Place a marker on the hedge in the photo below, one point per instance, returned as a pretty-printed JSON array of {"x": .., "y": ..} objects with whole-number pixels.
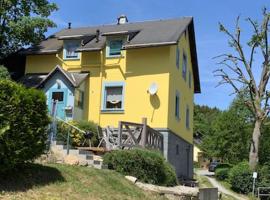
[
  {"x": 240, "y": 178},
  {"x": 148, "y": 166},
  {"x": 23, "y": 124},
  {"x": 222, "y": 173}
]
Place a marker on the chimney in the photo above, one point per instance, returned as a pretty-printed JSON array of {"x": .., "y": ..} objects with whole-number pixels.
[
  {"x": 97, "y": 35},
  {"x": 122, "y": 19},
  {"x": 69, "y": 25}
]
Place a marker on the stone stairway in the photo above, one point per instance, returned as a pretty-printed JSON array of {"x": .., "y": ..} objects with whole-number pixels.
[{"x": 79, "y": 157}]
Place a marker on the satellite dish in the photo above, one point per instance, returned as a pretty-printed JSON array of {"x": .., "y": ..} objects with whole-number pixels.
[{"x": 153, "y": 89}]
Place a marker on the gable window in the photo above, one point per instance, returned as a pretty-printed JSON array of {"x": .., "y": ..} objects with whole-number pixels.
[
  {"x": 189, "y": 79},
  {"x": 113, "y": 96},
  {"x": 70, "y": 48},
  {"x": 114, "y": 47},
  {"x": 184, "y": 69},
  {"x": 187, "y": 117},
  {"x": 79, "y": 98},
  {"x": 177, "y": 106},
  {"x": 177, "y": 57}
]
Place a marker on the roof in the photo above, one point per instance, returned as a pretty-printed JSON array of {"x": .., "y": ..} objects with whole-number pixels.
[
  {"x": 38, "y": 80},
  {"x": 140, "y": 34}
]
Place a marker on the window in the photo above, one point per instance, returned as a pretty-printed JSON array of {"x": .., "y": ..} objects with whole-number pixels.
[
  {"x": 184, "y": 69},
  {"x": 189, "y": 79},
  {"x": 114, "y": 47},
  {"x": 70, "y": 48},
  {"x": 187, "y": 117},
  {"x": 177, "y": 105},
  {"x": 79, "y": 98},
  {"x": 177, "y": 149},
  {"x": 177, "y": 57},
  {"x": 59, "y": 96},
  {"x": 113, "y": 96}
]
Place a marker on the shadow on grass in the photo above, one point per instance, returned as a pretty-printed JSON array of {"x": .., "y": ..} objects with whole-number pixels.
[{"x": 29, "y": 176}]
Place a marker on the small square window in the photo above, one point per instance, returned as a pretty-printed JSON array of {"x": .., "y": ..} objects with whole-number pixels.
[
  {"x": 115, "y": 47},
  {"x": 59, "y": 96},
  {"x": 113, "y": 97},
  {"x": 70, "y": 48},
  {"x": 184, "y": 69}
]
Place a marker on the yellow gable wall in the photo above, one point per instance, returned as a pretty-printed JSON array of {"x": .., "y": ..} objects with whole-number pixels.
[
  {"x": 138, "y": 73},
  {"x": 177, "y": 83}
]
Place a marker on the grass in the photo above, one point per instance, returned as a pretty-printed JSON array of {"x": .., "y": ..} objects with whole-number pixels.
[{"x": 56, "y": 181}]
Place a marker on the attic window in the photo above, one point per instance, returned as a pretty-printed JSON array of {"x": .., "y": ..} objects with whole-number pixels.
[
  {"x": 114, "y": 47},
  {"x": 70, "y": 47}
]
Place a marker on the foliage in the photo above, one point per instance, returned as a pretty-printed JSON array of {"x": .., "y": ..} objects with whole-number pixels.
[
  {"x": 23, "y": 124},
  {"x": 223, "y": 165},
  {"x": 222, "y": 173},
  {"x": 77, "y": 137},
  {"x": 56, "y": 181},
  {"x": 23, "y": 22},
  {"x": 240, "y": 178},
  {"x": 4, "y": 74},
  {"x": 148, "y": 166},
  {"x": 264, "y": 176}
]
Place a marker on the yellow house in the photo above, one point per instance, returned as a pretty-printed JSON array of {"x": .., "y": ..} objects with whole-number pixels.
[{"x": 124, "y": 71}]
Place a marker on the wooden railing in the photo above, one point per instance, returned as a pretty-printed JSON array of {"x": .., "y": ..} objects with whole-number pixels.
[{"x": 138, "y": 135}]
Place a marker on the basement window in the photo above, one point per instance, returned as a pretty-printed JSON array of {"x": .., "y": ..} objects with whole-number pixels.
[
  {"x": 113, "y": 97},
  {"x": 70, "y": 48}
]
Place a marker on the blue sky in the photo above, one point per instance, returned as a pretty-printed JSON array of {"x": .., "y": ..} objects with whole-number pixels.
[{"x": 207, "y": 14}]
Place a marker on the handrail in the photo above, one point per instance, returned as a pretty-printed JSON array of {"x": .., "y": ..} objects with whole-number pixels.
[{"x": 59, "y": 119}]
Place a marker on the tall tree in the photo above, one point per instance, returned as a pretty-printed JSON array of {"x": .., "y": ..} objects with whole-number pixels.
[
  {"x": 237, "y": 69},
  {"x": 23, "y": 22}
]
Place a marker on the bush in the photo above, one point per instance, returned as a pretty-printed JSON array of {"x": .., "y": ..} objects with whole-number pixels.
[
  {"x": 264, "y": 176},
  {"x": 23, "y": 124},
  {"x": 223, "y": 165},
  {"x": 240, "y": 178},
  {"x": 77, "y": 138},
  {"x": 148, "y": 166},
  {"x": 222, "y": 173},
  {"x": 4, "y": 74}
]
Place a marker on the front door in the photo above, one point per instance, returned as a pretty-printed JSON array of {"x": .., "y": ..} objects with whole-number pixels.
[{"x": 58, "y": 102}]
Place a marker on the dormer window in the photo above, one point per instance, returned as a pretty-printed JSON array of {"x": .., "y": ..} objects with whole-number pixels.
[
  {"x": 114, "y": 47},
  {"x": 70, "y": 47}
]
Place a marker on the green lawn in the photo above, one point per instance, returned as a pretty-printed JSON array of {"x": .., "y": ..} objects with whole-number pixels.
[{"x": 57, "y": 181}]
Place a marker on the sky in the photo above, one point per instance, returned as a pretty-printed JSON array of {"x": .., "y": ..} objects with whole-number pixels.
[{"x": 207, "y": 14}]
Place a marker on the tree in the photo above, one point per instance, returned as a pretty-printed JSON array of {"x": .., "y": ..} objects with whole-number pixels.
[
  {"x": 23, "y": 22},
  {"x": 4, "y": 74},
  {"x": 238, "y": 69},
  {"x": 229, "y": 135}
]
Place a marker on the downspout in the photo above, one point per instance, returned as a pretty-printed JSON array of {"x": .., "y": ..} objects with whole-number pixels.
[{"x": 101, "y": 77}]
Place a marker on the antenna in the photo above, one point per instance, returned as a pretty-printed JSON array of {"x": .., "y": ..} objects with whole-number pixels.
[{"x": 153, "y": 89}]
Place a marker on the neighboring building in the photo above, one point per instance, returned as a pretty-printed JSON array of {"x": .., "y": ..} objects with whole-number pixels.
[{"x": 104, "y": 73}]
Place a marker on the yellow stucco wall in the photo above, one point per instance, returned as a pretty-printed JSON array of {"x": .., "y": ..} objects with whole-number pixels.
[
  {"x": 196, "y": 152},
  {"x": 138, "y": 68}
]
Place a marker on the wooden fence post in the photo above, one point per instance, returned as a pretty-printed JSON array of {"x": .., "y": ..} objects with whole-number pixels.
[
  {"x": 144, "y": 131},
  {"x": 119, "y": 134}
]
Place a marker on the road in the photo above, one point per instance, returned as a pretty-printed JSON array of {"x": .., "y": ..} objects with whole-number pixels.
[{"x": 215, "y": 183}]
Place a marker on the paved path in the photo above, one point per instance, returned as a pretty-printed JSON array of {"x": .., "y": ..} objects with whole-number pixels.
[{"x": 215, "y": 183}]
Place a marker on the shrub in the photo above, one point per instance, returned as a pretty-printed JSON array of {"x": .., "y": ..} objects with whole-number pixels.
[
  {"x": 240, "y": 178},
  {"x": 222, "y": 173},
  {"x": 264, "y": 176},
  {"x": 148, "y": 166},
  {"x": 223, "y": 165},
  {"x": 23, "y": 124},
  {"x": 76, "y": 136},
  {"x": 4, "y": 74}
]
